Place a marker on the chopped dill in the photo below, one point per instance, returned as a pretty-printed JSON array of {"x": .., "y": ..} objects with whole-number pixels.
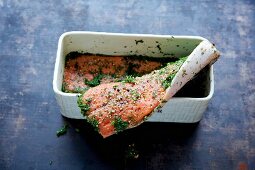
[
  {"x": 135, "y": 95},
  {"x": 94, "y": 122},
  {"x": 95, "y": 82},
  {"x": 167, "y": 82},
  {"x": 129, "y": 79},
  {"x": 64, "y": 87},
  {"x": 159, "y": 108},
  {"x": 62, "y": 131},
  {"x": 83, "y": 106},
  {"x": 119, "y": 124},
  {"x": 80, "y": 90}
]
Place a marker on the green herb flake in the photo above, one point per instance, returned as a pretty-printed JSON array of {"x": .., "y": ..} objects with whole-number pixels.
[
  {"x": 138, "y": 41},
  {"x": 180, "y": 61},
  {"x": 164, "y": 101},
  {"x": 83, "y": 106},
  {"x": 184, "y": 73},
  {"x": 135, "y": 95},
  {"x": 119, "y": 124},
  {"x": 80, "y": 89},
  {"x": 64, "y": 87},
  {"x": 167, "y": 82},
  {"x": 95, "y": 82},
  {"x": 162, "y": 71},
  {"x": 88, "y": 100},
  {"x": 145, "y": 118},
  {"x": 159, "y": 48},
  {"x": 159, "y": 108},
  {"x": 62, "y": 131},
  {"x": 94, "y": 122},
  {"x": 129, "y": 79},
  {"x": 115, "y": 87}
]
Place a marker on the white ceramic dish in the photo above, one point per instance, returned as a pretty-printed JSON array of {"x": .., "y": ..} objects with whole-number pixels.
[{"x": 177, "y": 109}]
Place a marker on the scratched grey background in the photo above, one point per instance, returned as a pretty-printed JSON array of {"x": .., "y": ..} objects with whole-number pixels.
[{"x": 29, "y": 115}]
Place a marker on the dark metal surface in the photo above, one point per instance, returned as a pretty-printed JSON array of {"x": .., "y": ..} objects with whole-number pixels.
[{"x": 30, "y": 117}]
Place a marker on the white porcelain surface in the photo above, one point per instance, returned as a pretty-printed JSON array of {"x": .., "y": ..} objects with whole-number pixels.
[{"x": 177, "y": 109}]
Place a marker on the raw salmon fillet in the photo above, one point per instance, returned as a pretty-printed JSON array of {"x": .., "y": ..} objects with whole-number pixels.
[
  {"x": 114, "y": 107},
  {"x": 91, "y": 67}
]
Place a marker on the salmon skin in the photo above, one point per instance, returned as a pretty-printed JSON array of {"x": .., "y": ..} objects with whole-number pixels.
[{"x": 113, "y": 107}]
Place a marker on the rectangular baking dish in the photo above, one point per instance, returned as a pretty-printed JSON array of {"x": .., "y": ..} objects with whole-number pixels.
[{"x": 178, "y": 109}]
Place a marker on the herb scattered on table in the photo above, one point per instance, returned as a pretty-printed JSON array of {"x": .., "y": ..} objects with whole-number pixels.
[
  {"x": 132, "y": 152},
  {"x": 62, "y": 131}
]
